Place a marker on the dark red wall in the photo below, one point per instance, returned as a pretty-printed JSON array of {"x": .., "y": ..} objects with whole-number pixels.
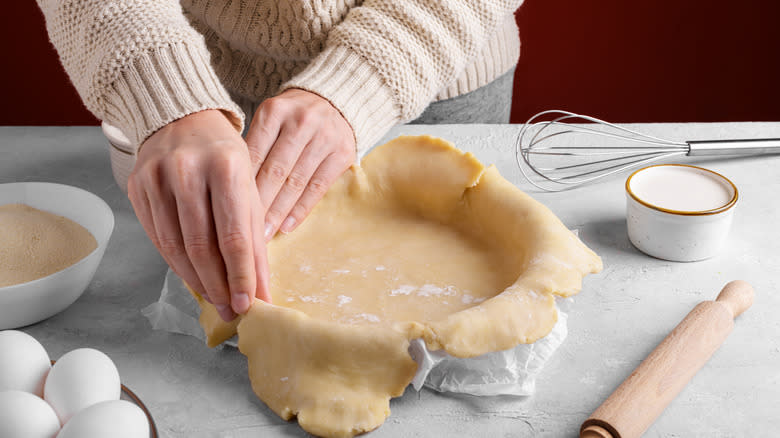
[
  {"x": 33, "y": 85},
  {"x": 650, "y": 61},
  {"x": 622, "y": 60}
]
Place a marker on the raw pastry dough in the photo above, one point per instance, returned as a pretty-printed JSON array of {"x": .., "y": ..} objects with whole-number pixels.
[{"x": 421, "y": 241}]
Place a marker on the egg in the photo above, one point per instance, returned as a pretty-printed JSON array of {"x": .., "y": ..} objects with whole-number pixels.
[
  {"x": 24, "y": 415},
  {"x": 115, "y": 419},
  {"x": 79, "y": 379},
  {"x": 24, "y": 362}
]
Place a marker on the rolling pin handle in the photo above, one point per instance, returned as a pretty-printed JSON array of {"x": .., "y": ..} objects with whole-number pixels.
[{"x": 737, "y": 295}]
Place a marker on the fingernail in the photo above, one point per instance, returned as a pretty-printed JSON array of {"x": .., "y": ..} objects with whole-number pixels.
[
  {"x": 269, "y": 231},
  {"x": 288, "y": 224},
  {"x": 240, "y": 303},
  {"x": 225, "y": 312}
]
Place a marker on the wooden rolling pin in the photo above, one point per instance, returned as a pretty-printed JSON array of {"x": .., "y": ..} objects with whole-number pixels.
[{"x": 641, "y": 398}]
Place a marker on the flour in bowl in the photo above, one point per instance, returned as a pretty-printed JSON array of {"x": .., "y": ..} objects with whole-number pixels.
[{"x": 36, "y": 243}]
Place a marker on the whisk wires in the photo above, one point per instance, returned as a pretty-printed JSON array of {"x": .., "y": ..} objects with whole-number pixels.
[{"x": 555, "y": 155}]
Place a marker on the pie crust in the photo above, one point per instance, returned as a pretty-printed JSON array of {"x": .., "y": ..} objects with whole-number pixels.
[{"x": 420, "y": 241}]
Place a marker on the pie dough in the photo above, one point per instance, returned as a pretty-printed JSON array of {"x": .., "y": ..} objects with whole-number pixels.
[{"x": 420, "y": 241}]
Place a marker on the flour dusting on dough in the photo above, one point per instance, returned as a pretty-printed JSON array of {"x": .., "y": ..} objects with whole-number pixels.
[
  {"x": 470, "y": 299},
  {"x": 341, "y": 271},
  {"x": 305, "y": 269},
  {"x": 343, "y": 299},
  {"x": 431, "y": 290},
  {"x": 426, "y": 290},
  {"x": 310, "y": 299},
  {"x": 370, "y": 317},
  {"x": 380, "y": 268},
  {"x": 402, "y": 290}
]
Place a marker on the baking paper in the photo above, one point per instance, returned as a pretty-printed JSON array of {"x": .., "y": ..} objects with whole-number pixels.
[{"x": 508, "y": 372}]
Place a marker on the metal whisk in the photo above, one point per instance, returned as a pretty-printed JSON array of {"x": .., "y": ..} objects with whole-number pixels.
[{"x": 561, "y": 156}]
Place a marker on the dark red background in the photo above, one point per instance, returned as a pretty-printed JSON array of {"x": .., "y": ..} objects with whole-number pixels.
[{"x": 622, "y": 60}]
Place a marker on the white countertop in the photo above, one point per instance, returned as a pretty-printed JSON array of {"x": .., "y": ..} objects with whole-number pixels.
[{"x": 618, "y": 318}]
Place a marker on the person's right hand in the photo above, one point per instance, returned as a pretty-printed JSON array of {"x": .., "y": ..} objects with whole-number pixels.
[{"x": 193, "y": 190}]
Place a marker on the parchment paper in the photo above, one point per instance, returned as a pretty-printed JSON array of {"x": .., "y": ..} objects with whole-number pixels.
[{"x": 508, "y": 372}]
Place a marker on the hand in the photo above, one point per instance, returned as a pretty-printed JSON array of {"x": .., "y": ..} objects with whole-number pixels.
[
  {"x": 300, "y": 145},
  {"x": 193, "y": 191}
]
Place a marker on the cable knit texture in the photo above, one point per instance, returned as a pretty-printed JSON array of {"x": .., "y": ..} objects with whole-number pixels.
[{"x": 140, "y": 64}]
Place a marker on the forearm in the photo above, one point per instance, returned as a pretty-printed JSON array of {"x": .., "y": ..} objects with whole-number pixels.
[
  {"x": 389, "y": 59},
  {"x": 137, "y": 64}
]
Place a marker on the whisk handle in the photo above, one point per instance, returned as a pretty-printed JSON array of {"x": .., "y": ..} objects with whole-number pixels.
[{"x": 734, "y": 147}]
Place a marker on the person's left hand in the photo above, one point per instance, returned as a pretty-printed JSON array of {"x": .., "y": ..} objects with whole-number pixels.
[{"x": 299, "y": 144}]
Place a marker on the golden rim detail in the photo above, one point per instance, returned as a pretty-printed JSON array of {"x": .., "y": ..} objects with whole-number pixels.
[{"x": 720, "y": 209}]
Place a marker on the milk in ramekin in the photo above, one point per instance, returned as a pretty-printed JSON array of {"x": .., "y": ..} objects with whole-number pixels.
[{"x": 679, "y": 212}]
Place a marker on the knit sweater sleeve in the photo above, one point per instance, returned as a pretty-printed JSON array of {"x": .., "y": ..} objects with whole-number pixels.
[
  {"x": 137, "y": 64},
  {"x": 389, "y": 58}
]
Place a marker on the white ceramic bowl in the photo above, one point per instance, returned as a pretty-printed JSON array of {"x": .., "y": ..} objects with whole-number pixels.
[
  {"x": 679, "y": 212},
  {"x": 27, "y": 303}
]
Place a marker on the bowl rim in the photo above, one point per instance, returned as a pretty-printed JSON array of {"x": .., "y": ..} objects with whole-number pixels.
[
  {"x": 713, "y": 211},
  {"x": 122, "y": 144},
  {"x": 107, "y": 235}
]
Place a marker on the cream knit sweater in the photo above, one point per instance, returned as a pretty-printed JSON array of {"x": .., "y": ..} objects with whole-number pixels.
[{"x": 140, "y": 64}]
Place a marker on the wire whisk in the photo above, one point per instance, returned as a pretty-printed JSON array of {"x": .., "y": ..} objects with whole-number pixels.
[{"x": 555, "y": 155}]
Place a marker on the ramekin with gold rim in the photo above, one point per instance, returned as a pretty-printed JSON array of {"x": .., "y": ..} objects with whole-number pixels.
[{"x": 679, "y": 212}]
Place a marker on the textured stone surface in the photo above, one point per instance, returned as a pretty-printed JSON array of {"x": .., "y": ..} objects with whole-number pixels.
[{"x": 616, "y": 320}]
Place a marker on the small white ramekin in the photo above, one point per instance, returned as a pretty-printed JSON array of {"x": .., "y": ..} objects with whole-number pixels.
[{"x": 678, "y": 235}]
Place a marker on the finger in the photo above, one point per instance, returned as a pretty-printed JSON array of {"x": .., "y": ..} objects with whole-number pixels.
[
  {"x": 263, "y": 132},
  {"x": 262, "y": 290},
  {"x": 231, "y": 189},
  {"x": 324, "y": 177},
  {"x": 277, "y": 167},
  {"x": 181, "y": 266},
  {"x": 200, "y": 243},
  {"x": 140, "y": 203},
  {"x": 293, "y": 187},
  {"x": 178, "y": 259}
]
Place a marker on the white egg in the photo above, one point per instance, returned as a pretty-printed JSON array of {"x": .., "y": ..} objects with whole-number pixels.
[
  {"x": 79, "y": 379},
  {"x": 23, "y": 415},
  {"x": 115, "y": 419},
  {"x": 24, "y": 362}
]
